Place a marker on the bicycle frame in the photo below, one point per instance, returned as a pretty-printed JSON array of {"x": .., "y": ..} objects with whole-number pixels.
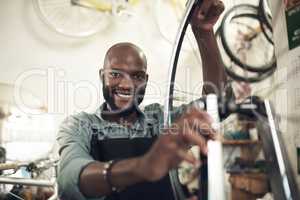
[{"x": 29, "y": 181}]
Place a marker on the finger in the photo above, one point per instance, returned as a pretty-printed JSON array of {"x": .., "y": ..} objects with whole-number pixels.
[
  {"x": 195, "y": 139},
  {"x": 208, "y": 134},
  {"x": 199, "y": 122},
  {"x": 195, "y": 112},
  {"x": 202, "y": 122},
  {"x": 188, "y": 157},
  {"x": 206, "y": 4},
  {"x": 219, "y": 7},
  {"x": 204, "y": 129},
  {"x": 216, "y": 9}
]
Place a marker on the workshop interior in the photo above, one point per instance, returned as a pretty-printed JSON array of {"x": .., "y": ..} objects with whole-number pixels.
[{"x": 51, "y": 53}]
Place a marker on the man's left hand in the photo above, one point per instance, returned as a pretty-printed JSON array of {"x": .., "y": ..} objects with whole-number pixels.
[{"x": 207, "y": 14}]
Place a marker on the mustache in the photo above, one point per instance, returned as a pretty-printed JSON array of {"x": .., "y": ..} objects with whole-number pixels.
[
  {"x": 128, "y": 91},
  {"x": 138, "y": 96},
  {"x": 135, "y": 91}
]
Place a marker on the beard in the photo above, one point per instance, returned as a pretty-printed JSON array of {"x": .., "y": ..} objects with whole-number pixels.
[{"x": 108, "y": 94}]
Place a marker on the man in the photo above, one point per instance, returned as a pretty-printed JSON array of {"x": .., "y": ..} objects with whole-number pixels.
[{"x": 142, "y": 151}]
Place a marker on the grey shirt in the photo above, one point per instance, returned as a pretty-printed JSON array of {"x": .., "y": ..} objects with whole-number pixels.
[{"x": 74, "y": 138}]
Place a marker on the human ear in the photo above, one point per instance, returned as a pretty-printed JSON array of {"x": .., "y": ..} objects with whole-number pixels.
[{"x": 101, "y": 74}]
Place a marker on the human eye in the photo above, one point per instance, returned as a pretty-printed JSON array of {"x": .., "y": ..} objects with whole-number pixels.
[
  {"x": 139, "y": 77},
  {"x": 115, "y": 74}
]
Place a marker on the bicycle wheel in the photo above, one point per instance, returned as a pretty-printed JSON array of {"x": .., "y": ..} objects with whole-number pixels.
[
  {"x": 234, "y": 71},
  {"x": 265, "y": 12},
  {"x": 265, "y": 17},
  {"x": 167, "y": 15},
  {"x": 243, "y": 40},
  {"x": 69, "y": 19}
]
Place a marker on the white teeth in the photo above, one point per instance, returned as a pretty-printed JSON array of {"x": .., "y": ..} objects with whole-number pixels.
[{"x": 124, "y": 95}]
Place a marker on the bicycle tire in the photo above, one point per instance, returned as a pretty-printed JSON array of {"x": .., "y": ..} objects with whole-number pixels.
[
  {"x": 263, "y": 12},
  {"x": 70, "y": 20},
  {"x": 267, "y": 32},
  {"x": 265, "y": 21},
  {"x": 258, "y": 78},
  {"x": 234, "y": 75},
  {"x": 167, "y": 28},
  {"x": 251, "y": 14}
]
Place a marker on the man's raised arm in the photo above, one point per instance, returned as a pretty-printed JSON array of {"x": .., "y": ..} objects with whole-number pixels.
[{"x": 202, "y": 22}]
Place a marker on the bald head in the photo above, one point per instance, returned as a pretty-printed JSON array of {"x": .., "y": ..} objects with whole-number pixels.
[
  {"x": 125, "y": 54},
  {"x": 124, "y": 77}
]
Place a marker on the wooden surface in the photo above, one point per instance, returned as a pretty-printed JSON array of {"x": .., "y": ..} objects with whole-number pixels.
[{"x": 248, "y": 186}]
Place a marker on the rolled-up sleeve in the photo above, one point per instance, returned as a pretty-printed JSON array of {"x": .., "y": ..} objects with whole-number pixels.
[{"x": 74, "y": 147}]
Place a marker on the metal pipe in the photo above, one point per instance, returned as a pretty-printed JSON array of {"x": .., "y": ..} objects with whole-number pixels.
[
  {"x": 215, "y": 154},
  {"x": 24, "y": 181}
]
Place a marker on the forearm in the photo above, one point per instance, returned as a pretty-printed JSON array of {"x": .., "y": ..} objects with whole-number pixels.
[
  {"x": 124, "y": 173},
  {"x": 214, "y": 76}
]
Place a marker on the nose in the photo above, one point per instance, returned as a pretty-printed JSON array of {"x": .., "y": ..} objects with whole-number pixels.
[{"x": 126, "y": 83}]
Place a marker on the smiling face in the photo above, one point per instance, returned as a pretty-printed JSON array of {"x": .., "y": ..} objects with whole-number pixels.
[{"x": 124, "y": 77}]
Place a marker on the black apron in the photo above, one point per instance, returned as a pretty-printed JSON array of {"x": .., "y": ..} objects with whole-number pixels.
[{"x": 122, "y": 148}]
